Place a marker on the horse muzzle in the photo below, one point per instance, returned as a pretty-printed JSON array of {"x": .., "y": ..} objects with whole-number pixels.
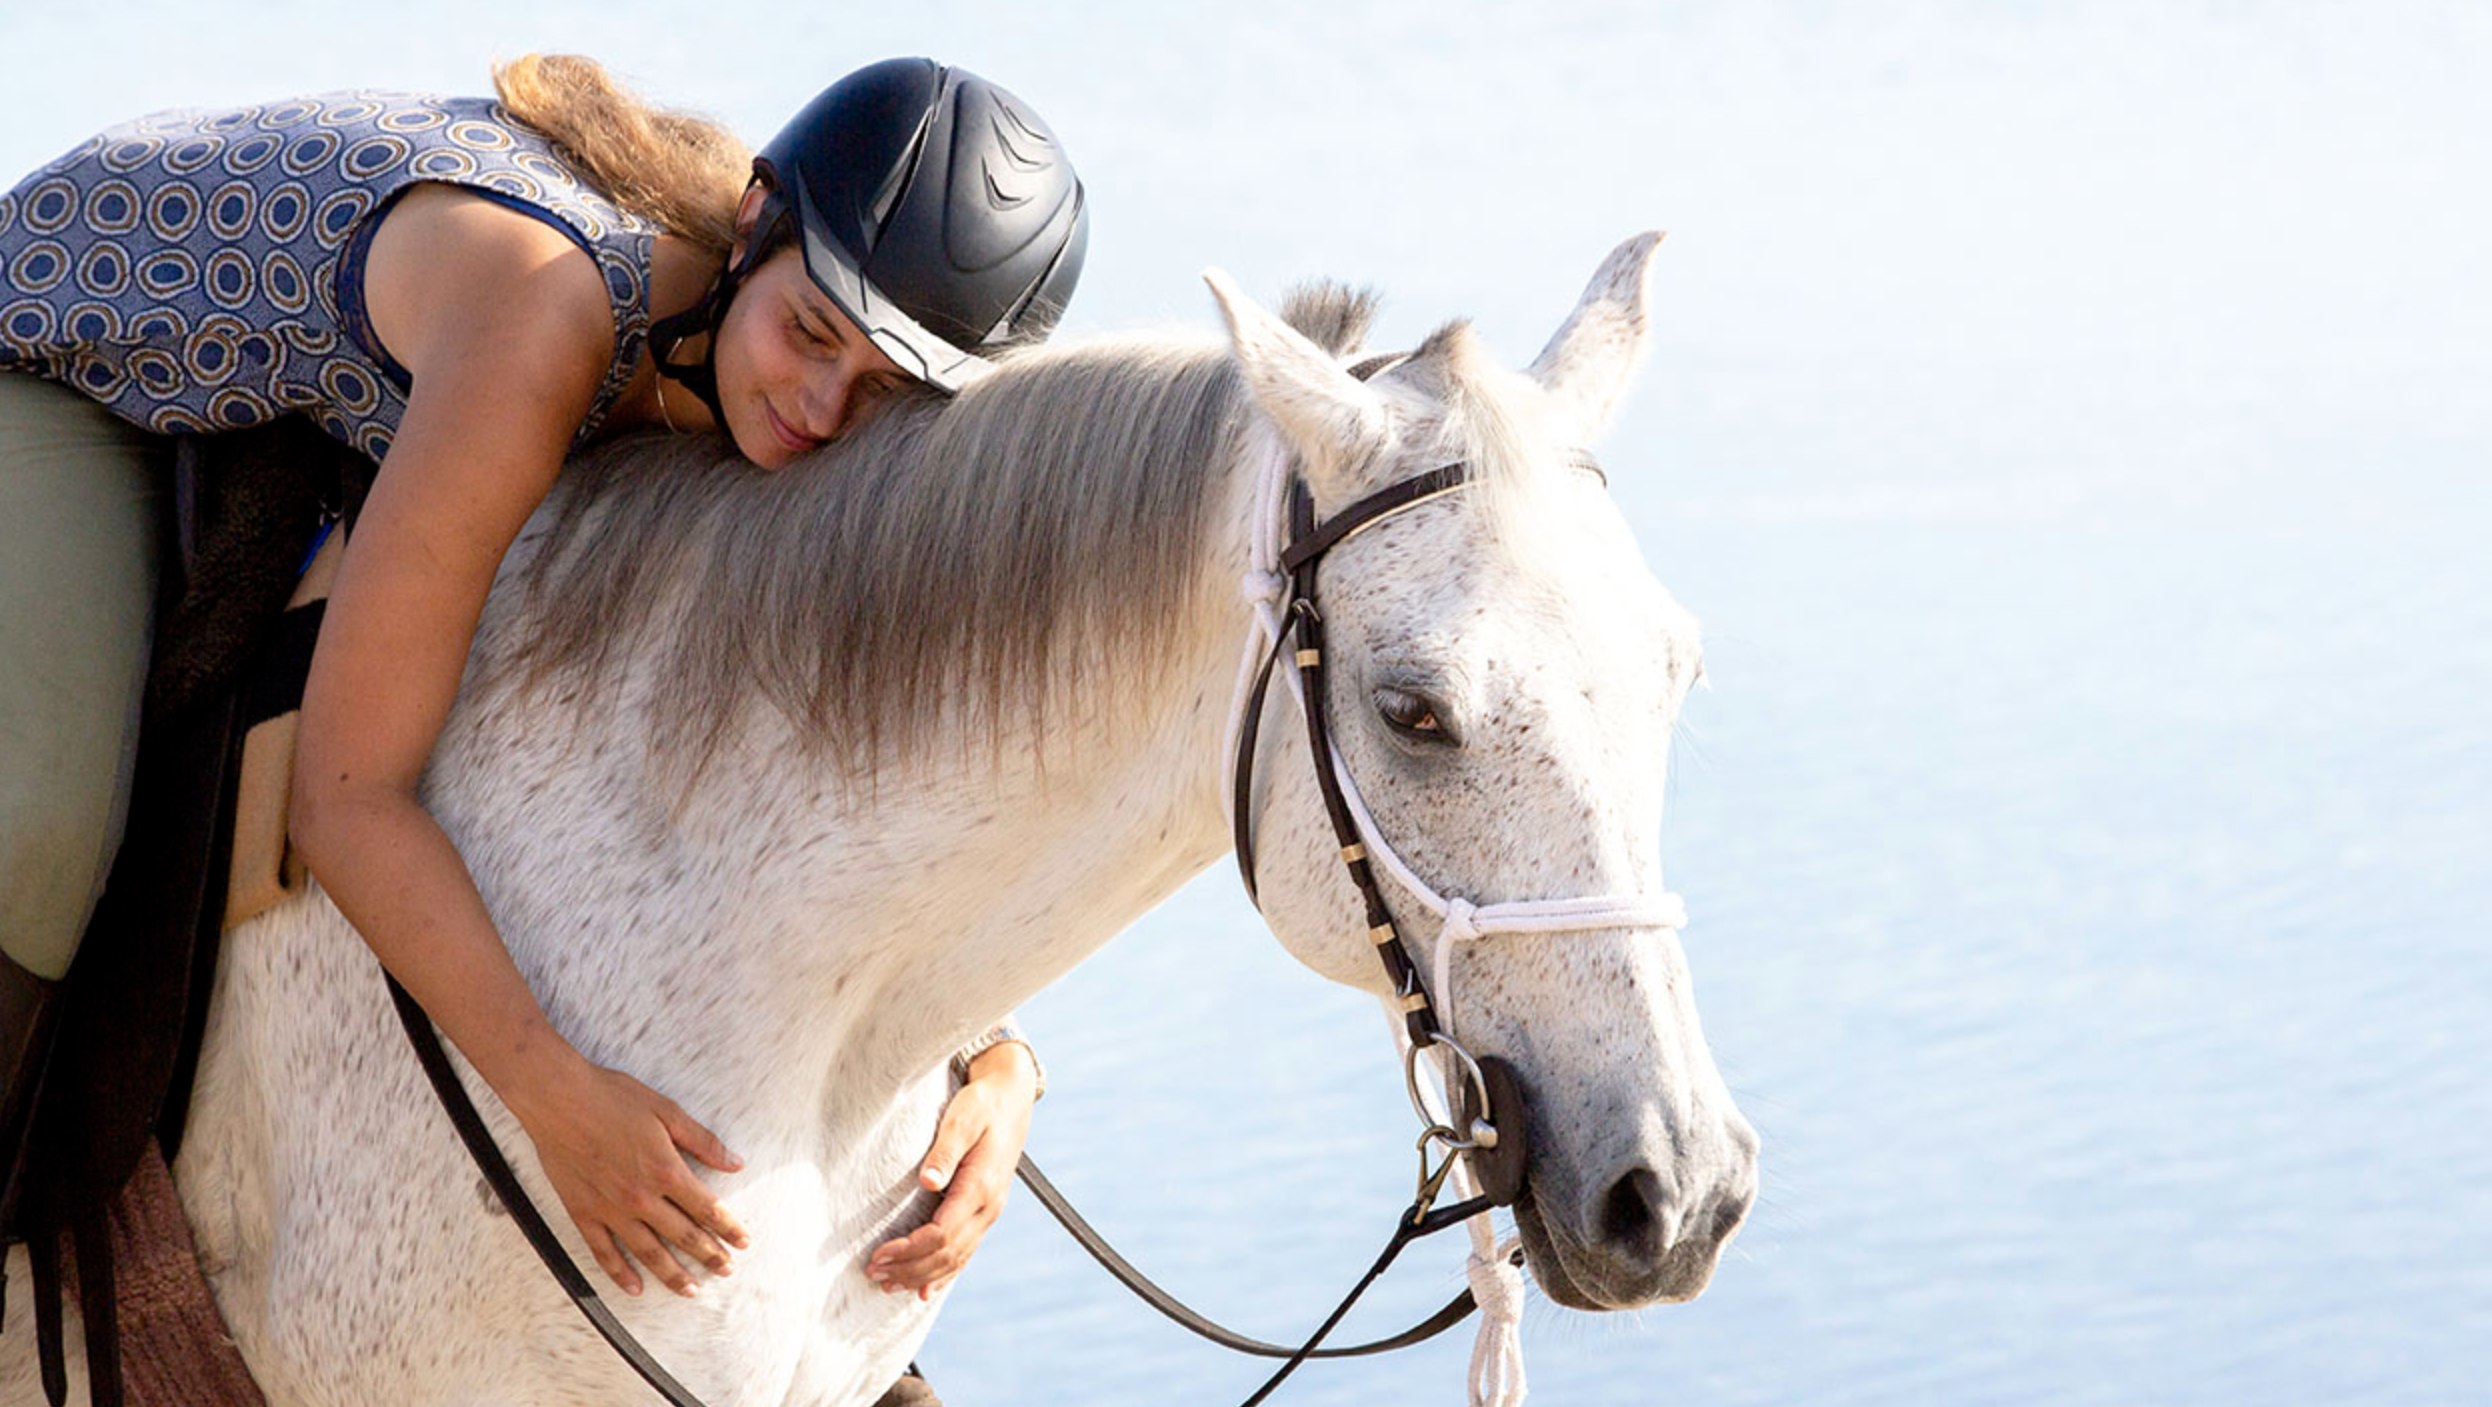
[{"x": 1642, "y": 1230}]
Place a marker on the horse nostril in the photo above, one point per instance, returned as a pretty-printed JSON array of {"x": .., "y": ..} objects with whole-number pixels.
[
  {"x": 1639, "y": 1218},
  {"x": 1727, "y": 1215}
]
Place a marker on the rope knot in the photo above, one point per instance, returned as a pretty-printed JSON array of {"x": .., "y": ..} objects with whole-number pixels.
[
  {"x": 1497, "y": 1283},
  {"x": 1497, "y": 1354},
  {"x": 1461, "y": 921},
  {"x": 1263, "y": 588}
]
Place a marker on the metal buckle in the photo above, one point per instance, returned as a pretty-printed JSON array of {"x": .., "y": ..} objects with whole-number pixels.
[{"x": 1432, "y": 1180}]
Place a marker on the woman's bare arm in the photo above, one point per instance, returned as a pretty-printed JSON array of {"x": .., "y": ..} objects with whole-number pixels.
[{"x": 505, "y": 325}]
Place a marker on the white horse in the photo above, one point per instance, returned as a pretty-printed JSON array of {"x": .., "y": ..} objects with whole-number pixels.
[{"x": 783, "y": 786}]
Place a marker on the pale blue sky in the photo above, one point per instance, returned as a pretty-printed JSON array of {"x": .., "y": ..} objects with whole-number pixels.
[
  {"x": 2187, "y": 190},
  {"x": 1891, "y": 224}
]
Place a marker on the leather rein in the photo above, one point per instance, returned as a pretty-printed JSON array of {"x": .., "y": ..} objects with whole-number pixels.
[{"x": 1487, "y": 1126}]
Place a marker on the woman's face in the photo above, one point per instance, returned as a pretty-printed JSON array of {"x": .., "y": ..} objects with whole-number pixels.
[{"x": 793, "y": 371}]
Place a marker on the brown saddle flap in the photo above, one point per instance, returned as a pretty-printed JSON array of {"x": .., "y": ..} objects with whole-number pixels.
[{"x": 265, "y": 868}]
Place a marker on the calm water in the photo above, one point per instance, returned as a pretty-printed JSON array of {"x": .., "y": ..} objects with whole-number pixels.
[{"x": 2086, "y": 845}]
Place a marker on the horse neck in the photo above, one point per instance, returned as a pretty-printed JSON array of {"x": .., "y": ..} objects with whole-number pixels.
[{"x": 880, "y": 928}]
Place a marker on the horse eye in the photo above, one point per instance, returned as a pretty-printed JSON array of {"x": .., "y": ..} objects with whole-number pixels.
[{"x": 1409, "y": 713}]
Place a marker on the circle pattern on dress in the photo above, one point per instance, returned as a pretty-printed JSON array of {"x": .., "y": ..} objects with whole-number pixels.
[
  {"x": 286, "y": 210},
  {"x": 157, "y": 371},
  {"x": 311, "y": 152},
  {"x": 113, "y": 207},
  {"x": 51, "y": 205},
  {"x": 98, "y": 376},
  {"x": 29, "y": 320},
  {"x": 251, "y": 153},
  {"x": 373, "y": 155},
  {"x": 172, "y": 211},
  {"x": 104, "y": 270},
  {"x": 480, "y": 136},
  {"x": 130, "y": 153},
  {"x": 39, "y": 267},
  {"x": 228, "y": 278},
  {"x": 230, "y": 207},
  {"x": 311, "y": 342},
  {"x": 282, "y": 280},
  {"x": 92, "y": 321},
  {"x": 173, "y": 418},
  {"x": 211, "y": 355},
  {"x": 351, "y": 388},
  {"x": 160, "y": 325},
  {"x": 350, "y": 112},
  {"x": 168, "y": 273},
  {"x": 512, "y": 184},
  {"x": 340, "y": 213},
  {"x": 237, "y": 406},
  {"x": 445, "y": 164},
  {"x": 292, "y": 113},
  {"x": 412, "y": 119},
  {"x": 185, "y": 158},
  {"x": 541, "y": 166},
  {"x": 211, "y": 253}
]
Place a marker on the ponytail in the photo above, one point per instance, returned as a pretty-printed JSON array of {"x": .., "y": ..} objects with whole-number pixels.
[{"x": 678, "y": 169}]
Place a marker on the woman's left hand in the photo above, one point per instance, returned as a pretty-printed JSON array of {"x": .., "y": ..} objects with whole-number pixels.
[{"x": 976, "y": 1148}]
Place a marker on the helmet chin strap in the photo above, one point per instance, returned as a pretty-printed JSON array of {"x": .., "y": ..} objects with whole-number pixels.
[
  {"x": 704, "y": 318},
  {"x": 668, "y": 333}
]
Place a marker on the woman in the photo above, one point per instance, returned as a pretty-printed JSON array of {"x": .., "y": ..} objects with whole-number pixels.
[{"x": 466, "y": 290}]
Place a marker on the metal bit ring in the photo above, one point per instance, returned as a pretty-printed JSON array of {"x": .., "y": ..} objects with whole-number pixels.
[{"x": 1483, "y": 1131}]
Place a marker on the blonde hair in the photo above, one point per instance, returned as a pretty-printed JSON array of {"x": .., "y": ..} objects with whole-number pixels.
[{"x": 677, "y": 168}]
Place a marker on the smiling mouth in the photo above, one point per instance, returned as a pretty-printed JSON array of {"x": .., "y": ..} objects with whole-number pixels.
[{"x": 796, "y": 443}]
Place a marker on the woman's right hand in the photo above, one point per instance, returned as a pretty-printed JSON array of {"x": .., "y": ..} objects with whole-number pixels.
[{"x": 615, "y": 1151}]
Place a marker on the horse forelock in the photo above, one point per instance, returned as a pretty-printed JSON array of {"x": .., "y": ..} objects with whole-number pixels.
[
  {"x": 1457, "y": 403},
  {"x": 1334, "y": 316}
]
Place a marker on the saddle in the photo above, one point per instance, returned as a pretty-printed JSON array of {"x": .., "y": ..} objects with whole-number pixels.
[{"x": 238, "y": 611}]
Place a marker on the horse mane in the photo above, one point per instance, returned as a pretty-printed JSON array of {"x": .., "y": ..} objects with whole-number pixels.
[{"x": 948, "y": 564}]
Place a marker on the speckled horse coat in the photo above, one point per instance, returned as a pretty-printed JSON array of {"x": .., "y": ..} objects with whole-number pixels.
[{"x": 781, "y": 786}]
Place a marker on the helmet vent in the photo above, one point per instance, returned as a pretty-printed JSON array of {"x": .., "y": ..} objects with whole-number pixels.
[{"x": 997, "y": 196}]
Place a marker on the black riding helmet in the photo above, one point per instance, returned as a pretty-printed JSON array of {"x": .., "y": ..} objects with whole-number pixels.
[{"x": 933, "y": 207}]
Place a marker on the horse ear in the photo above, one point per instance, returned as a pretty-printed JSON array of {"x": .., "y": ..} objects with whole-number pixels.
[
  {"x": 1587, "y": 363},
  {"x": 1328, "y": 416}
]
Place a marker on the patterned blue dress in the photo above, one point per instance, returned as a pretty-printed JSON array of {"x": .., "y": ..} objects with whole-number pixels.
[{"x": 201, "y": 271}]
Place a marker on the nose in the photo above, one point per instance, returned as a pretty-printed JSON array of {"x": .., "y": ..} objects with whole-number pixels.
[
  {"x": 1669, "y": 1230},
  {"x": 1639, "y": 1217},
  {"x": 830, "y": 400}
]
